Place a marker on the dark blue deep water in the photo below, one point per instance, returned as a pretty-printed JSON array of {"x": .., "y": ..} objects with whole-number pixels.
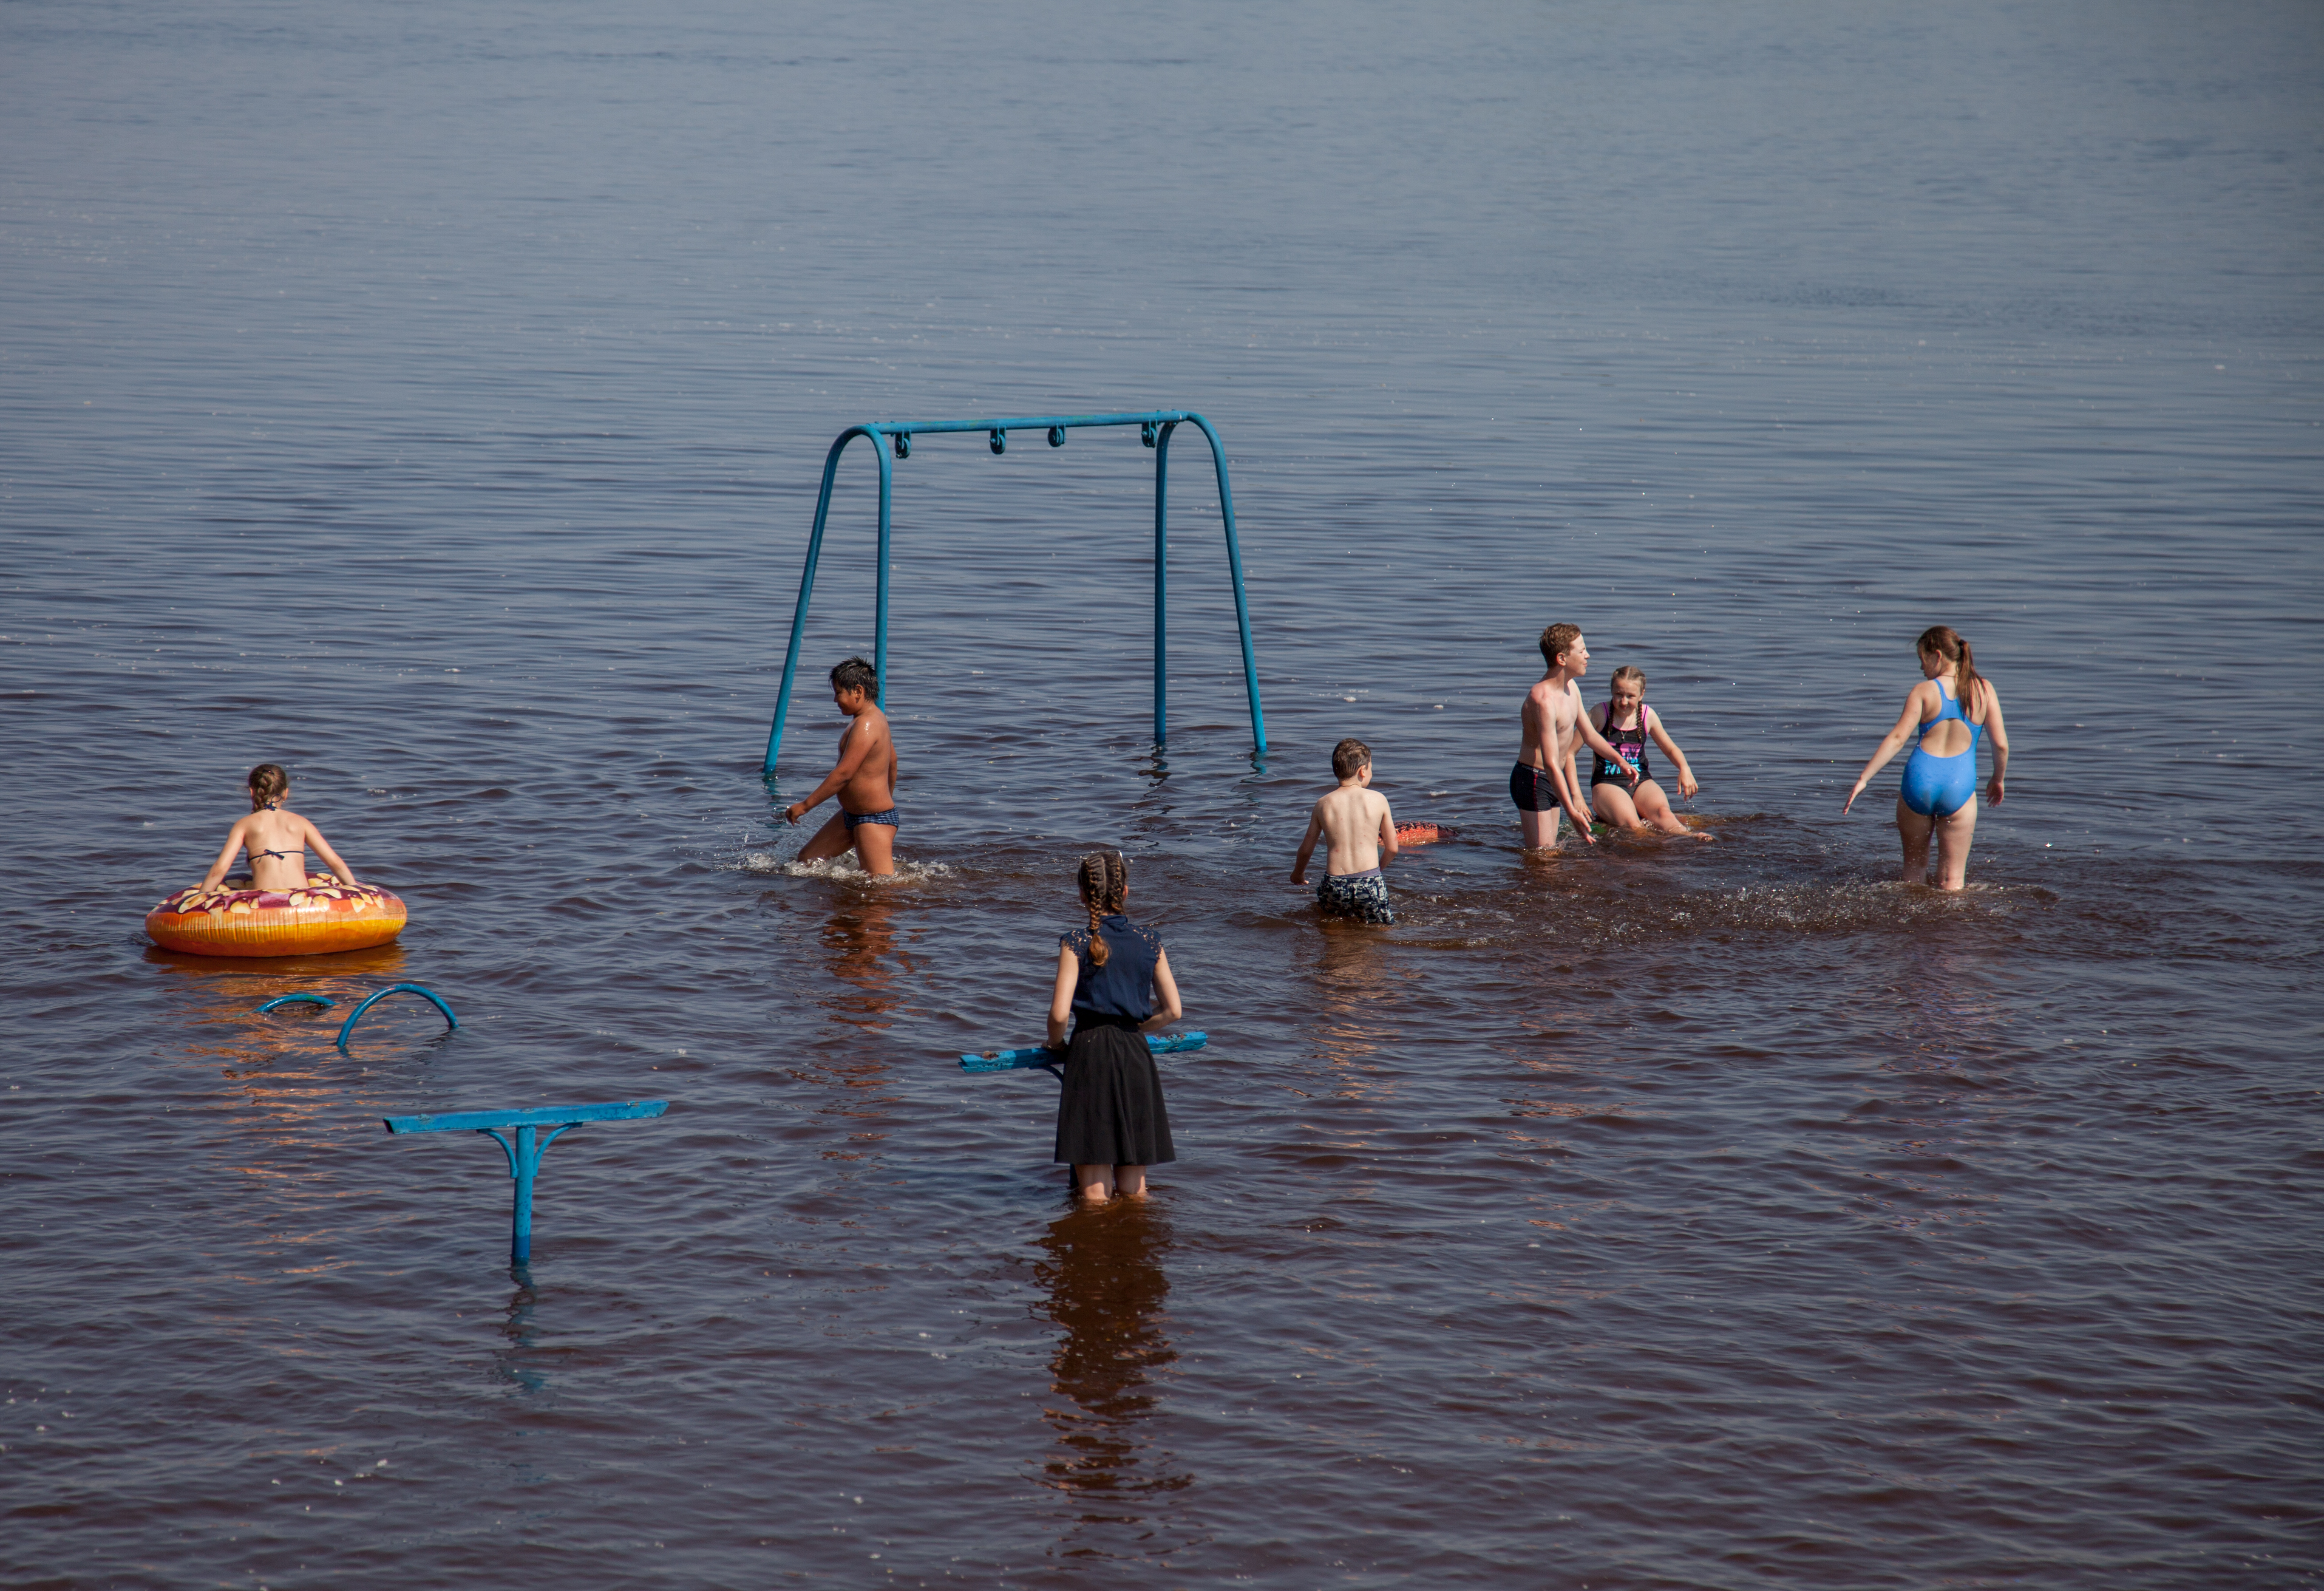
[{"x": 431, "y": 398}]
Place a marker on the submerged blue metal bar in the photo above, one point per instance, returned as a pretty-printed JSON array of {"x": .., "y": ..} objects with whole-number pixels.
[
  {"x": 429, "y": 995},
  {"x": 1154, "y": 429},
  {"x": 1037, "y": 1056},
  {"x": 301, "y": 998},
  {"x": 525, "y": 1148}
]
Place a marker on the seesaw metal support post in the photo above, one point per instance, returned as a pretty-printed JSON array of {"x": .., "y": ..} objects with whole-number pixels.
[{"x": 1154, "y": 429}]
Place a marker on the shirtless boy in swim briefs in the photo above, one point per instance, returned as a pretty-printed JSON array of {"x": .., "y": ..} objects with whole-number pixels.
[
  {"x": 864, "y": 779},
  {"x": 1363, "y": 836},
  {"x": 1545, "y": 780}
]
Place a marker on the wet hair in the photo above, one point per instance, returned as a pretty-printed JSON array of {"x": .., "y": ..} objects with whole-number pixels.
[
  {"x": 1350, "y": 758},
  {"x": 1104, "y": 881},
  {"x": 1628, "y": 671},
  {"x": 1946, "y": 642},
  {"x": 1556, "y": 639},
  {"x": 268, "y": 782},
  {"x": 857, "y": 675}
]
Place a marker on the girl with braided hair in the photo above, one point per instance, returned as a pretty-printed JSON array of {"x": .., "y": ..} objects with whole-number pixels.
[
  {"x": 276, "y": 838},
  {"x": 1114, "y": 984}
]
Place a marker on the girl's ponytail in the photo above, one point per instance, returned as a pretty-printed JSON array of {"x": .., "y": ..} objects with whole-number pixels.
[{"x": 1946, "y": 642}]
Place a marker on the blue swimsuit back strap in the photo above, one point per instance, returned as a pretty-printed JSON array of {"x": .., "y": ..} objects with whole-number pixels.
[{"x": 1952, "y": 709}]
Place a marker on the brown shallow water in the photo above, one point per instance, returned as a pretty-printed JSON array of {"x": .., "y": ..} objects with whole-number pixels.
[{"x": 433, "y": 404}]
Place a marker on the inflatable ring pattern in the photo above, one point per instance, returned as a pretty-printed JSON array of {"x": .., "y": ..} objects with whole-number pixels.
[{"x": 325, "y": 916}]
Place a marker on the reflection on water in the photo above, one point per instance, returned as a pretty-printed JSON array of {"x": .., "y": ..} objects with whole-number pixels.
[
  {"x": 1943, "y": 1008},
  {"x": 284, "y": 974},
  {"x": 519, "y": 1363},
  {"x": 1106, "y": 1291},
  {"x": 1351, "y": 983},
  {"x": 860, "y": 938}
]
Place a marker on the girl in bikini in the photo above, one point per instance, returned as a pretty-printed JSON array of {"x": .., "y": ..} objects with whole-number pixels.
[
  {"x": 1633, "y": 801},
  {"x": 1954, "y": 706},
  {"x": 276, "y": 837}
]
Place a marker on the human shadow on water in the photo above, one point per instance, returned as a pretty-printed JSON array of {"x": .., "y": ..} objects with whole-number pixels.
[{"x": 1107, "y": 1289}]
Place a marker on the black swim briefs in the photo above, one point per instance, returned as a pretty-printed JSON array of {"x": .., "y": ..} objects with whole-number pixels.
[{"x": 1534, "y": 790}]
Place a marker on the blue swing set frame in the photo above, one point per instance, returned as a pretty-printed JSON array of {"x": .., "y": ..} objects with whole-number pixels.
[{"x": 1154, "y": 429}]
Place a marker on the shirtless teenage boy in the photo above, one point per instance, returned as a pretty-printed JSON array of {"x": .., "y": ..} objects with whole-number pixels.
[
  {"x": 1552, "y": 722},
  {"x": 864, "y": 779},
  {"x": 1363, "y": 836}
]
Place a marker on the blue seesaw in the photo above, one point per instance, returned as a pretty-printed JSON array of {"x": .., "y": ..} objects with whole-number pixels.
[
  {"x": 1038, "y": 1057},
  {"x": 525, "y": 1147}
]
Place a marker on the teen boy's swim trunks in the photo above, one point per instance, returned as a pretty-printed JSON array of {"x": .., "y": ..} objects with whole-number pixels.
[
  {"x": 1362, "y": 896},
  {"x": 888, "y": 817},
  {"x": 1533, "y": 789}
]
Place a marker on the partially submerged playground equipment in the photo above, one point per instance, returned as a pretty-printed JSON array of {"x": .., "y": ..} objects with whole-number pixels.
[
  {"x": 526, "y": 1146},
  {"x": 1154, "y": 430}
]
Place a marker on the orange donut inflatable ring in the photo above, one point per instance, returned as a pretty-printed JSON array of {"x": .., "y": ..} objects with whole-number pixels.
[{"x": 325, "y": 916}]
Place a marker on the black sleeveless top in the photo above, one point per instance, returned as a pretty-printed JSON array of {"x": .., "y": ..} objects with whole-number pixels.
[{"x": 1123, "y": 989}]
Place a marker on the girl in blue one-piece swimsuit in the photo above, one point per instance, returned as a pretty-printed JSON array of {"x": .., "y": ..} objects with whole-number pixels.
[{"x": 1953, "y": 708}]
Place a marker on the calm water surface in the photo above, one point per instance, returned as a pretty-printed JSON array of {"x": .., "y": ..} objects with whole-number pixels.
[{"x": 431, "y": 398}]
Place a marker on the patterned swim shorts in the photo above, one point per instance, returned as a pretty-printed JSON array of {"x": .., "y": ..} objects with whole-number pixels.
[{"x": 1362, "y": 896}]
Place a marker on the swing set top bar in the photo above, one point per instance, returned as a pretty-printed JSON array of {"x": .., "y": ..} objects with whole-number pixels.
[
  {"x": 1154, "y": 429},
  {"x": 1160, "y": 417}
]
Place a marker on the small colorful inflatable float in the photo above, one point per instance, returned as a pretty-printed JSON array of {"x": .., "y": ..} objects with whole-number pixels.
[
  {"x": 1421, "y": 833},
  {"x": 235, "y": 920}
]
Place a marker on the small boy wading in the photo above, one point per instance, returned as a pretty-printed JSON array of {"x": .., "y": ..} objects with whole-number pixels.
[
  {"x": 1363, "y": 834},
  {"x": 864, "y": 780}
]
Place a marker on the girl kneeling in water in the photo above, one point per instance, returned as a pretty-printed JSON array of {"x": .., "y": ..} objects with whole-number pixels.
[
  {"x": 1114, "y": 981},
  {"x": 1953, "y": 706},
  {"x": 277, "y": 838},
  {"x": 1634, "y": 801}
]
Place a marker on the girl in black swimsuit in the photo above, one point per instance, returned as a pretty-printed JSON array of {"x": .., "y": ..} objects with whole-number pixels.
[{"x": 1634, "y": 801}]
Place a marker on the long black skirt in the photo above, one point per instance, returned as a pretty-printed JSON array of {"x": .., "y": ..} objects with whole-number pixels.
[{"x": 1110, "y": 1112}]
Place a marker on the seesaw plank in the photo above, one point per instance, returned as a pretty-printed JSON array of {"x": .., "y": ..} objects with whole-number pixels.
[
  {"x": 1036, "y": 1056},
  {"x": 473, "y": 1121}
]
